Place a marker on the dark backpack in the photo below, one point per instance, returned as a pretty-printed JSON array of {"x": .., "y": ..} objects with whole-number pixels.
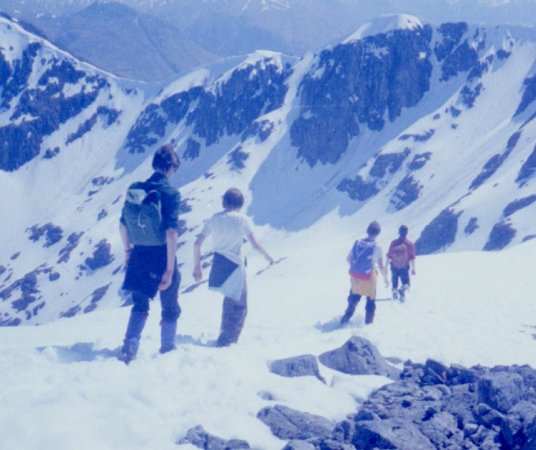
[
  {"x": 143, "y": 216},
  {"x": 362, "y": 253},
  {"x": 399, "y": 255}
]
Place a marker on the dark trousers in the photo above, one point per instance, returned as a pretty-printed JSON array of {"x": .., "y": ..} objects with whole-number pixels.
[
  {"x": 232, "y": 319},
  {"x": 353, "y": 300},
  {"x": 169, "y": 299},
  {"x": 399, "y": 274}
]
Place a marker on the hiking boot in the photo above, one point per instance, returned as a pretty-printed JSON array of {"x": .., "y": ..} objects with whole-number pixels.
[
  {"x": 129, "y": 350},
  {"x": 370, "y": 309},
  {"x": 168, "y": 330},
  {"x": 402, "y": 291},
  {"x": 344, "y": 320}
]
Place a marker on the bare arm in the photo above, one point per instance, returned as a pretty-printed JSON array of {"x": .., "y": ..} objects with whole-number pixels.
[
  {"x": 259, "y": 248},
  {"x": 198, "y": 273},
  {"x": 383, "y": 270},
  {"x": 171, "y": 246}
]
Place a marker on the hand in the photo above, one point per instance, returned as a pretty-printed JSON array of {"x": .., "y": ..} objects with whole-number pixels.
[
  {"x": 165, "y": 282},
  {"x": 270, "y": 260},
  {"x": 198, "y": 273},
  {"x": 413, "y": 271}
]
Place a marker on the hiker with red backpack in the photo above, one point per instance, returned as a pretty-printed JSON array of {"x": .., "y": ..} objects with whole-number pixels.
[
  {"x": 364, "y": 257},
  {"x": 401, "y": 256}
]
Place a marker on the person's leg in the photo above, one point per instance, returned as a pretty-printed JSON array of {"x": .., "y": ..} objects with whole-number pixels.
[
  {"x": 136, "y": 323},
  {"x": 394, "y": 281},
  {"x": 169, "y": 299},
  {"x": 353, "y": 300},
  {"x": 404, "y": 279},
  {"x": 370, "y": 309},
  {"x": 233, "y": 318}
]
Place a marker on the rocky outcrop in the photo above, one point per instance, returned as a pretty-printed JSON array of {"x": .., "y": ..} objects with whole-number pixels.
[{"x": 428, "y": 406}]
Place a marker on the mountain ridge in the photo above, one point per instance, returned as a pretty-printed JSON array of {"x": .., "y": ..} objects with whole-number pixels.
[{"x": 375, "y": 128}]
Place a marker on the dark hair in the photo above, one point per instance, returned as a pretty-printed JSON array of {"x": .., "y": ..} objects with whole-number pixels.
[
  {"x": 165, "y": 158},
  {"x": 373, "y": 229},
  {"x": 403, "y": 231},
  {"x": 233, "y": 199}
]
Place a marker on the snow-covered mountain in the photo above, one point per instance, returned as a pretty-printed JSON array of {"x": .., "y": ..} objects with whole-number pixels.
[
  {"x": 403, "y": 122},
  {"x": 168, "y": 36},
  {"x": 124, "y": 41}
]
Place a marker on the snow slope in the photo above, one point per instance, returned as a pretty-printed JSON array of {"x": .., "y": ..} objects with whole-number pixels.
[{"x": 63, "y": 389}]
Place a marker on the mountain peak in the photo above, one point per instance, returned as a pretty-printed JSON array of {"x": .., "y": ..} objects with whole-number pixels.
[{"x": 385, "y": 24}]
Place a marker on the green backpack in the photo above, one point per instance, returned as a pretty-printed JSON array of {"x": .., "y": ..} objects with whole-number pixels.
[{"x": 143, "y": 216}]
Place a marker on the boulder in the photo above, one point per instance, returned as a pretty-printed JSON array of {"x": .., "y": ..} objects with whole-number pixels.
[
  {"x": 500, "y": 390},
  {"x": 198, "y": 437},
  {"x": 515, "y": 427},
  {"x": 358, "y": 356},
  {"x": 287, "y": 423},
  {"x": 391, "y": 434},
  {"x": 297, "y": 366}
]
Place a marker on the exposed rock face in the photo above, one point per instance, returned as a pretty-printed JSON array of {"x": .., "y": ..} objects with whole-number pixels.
[
  {"x": 500, "y": 236},
  {"x": 439, "y": 233},
  {"x": 42, "y": 108},
  {"x": 361, "y": 84}
]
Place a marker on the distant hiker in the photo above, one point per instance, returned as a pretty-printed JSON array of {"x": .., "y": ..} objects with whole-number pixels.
[
  {"x": 401, "y": 255},
  {"x": 365, "y": 255},
  {"x": 229, "y": 229},
  {"x": 149, "y": 229}
]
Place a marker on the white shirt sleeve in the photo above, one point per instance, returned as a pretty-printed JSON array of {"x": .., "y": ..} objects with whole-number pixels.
[
  {"x": 207, "y": 228},
  {"x": 246, "y": 224}
]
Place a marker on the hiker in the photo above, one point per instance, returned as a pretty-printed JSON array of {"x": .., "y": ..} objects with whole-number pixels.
[
  {"x": 149, "y": 229},
  {"x": 229, "y": 229},
  {"x": 401, "y": 256},
  {"x": 364, "y": 257}
]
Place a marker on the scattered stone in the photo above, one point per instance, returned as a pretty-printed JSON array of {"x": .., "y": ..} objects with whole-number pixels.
[{"x": 297, "y": 366}]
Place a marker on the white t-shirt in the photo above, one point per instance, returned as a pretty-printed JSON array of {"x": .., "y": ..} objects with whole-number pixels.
[{"x": 229, "y": 229}]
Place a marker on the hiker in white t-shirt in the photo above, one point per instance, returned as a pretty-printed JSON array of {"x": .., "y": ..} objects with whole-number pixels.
[{"x": 229, "y": 229}]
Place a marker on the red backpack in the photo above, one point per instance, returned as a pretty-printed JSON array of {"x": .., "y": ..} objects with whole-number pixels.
[{"x": 399, "y": 255}]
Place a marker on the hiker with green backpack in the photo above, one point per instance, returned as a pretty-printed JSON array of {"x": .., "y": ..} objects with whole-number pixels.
[
  {"x": 363, "y": 258},
  {"x": 149, "y": 228},
  {"x": 401, "y": 255}
]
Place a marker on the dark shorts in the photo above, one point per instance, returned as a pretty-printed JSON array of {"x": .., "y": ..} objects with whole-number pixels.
[{"x": 145, "y": 268}]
